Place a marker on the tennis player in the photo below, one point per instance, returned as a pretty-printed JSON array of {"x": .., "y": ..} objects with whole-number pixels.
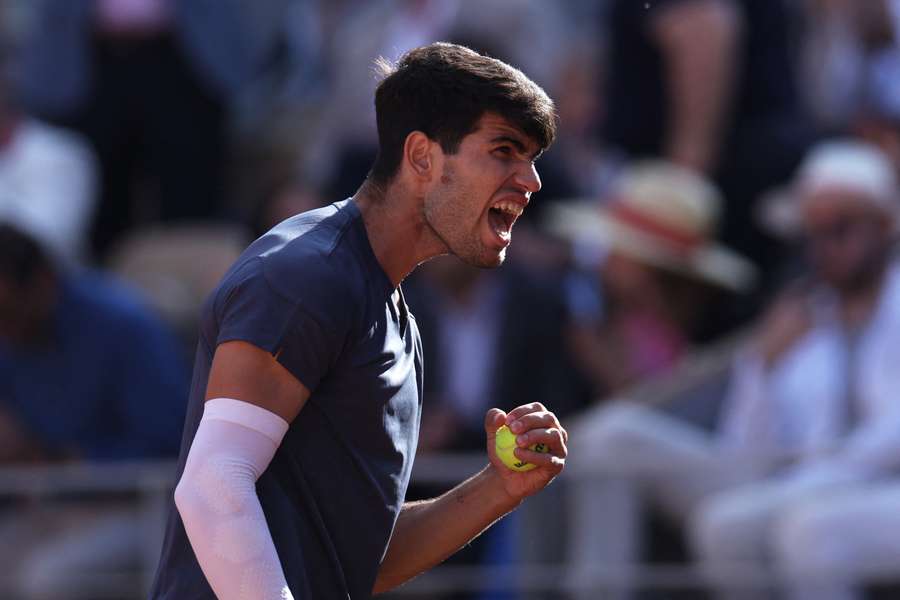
[{"x": 303, "y": 418}]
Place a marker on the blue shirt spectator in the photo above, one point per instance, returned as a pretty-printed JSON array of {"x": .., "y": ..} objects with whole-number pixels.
[{"x": 85, "y": 370}]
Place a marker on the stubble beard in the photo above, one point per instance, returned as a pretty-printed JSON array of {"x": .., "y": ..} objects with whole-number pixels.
[
  {"x": 445, "y": 215},
  {"x": 868, "y": 273}
]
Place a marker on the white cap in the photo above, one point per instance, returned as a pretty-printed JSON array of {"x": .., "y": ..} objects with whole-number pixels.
[
  {"x": 851, "y": 166},
  {"x": 847, "y": 165}
]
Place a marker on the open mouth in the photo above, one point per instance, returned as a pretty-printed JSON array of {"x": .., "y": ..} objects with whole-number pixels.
[{"x": 502, "y": 216}]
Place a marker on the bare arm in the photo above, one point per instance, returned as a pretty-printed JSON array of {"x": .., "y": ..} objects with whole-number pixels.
[
  {"x": 698, "y": 40},
  {"x": 243, "y": 371},
  {"x": 447, "y": 523},
  {"x": 428, "y": 532}
]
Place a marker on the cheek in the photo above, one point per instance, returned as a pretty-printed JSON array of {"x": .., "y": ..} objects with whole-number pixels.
[
  {"x": 456, "y": 201},
  {"x": 837, "y": 258},
  {"x": 826, "y": 256},
  {"x": 445, "y": 213},
  {"x": 623, "y": 275}
]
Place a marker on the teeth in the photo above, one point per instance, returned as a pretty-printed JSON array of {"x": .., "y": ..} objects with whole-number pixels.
[{"x": 510, "y": 208}]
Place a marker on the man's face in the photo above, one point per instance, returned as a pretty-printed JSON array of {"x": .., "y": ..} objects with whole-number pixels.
[
  {"x": 483, "y": 189},
  {"x": 848, "y": 238}
]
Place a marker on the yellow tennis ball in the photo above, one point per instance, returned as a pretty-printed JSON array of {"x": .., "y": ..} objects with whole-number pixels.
[{"x": 505, "y": 444}]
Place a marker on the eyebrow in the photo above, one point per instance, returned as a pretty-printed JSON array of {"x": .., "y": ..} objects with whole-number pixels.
[{"x": 518, "y": 144}]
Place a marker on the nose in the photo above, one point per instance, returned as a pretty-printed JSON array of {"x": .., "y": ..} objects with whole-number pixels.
[{"x": 529, "y": 179}]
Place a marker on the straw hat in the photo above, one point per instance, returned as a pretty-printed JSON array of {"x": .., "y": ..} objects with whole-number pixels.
[
  {"x": 662, "y": 215},
  {"x": 855, "y": 167}
]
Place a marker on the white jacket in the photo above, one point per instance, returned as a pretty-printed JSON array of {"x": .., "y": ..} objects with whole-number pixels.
[{"x": 798, "y": 407}]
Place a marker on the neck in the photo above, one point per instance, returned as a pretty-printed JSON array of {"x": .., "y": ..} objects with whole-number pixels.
[
  {"x": 396, "y": 227},
  {"x": 858, "y": 305},
  {"x": 8, "y": 124}
]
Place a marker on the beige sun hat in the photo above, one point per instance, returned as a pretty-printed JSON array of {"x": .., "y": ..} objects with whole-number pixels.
[
  {"x": 846, "y": 165},
  {"x": 662, "y": 215}
]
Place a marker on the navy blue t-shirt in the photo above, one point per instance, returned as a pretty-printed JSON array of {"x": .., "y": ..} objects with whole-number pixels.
[{"x": 312, "y": 293}]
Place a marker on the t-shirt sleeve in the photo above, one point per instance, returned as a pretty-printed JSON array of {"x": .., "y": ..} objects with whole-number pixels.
[{"x": 305, "y": 334}]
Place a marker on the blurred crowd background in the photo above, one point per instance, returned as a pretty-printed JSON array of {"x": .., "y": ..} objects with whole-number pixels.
[{"x": 704, "y": 289}]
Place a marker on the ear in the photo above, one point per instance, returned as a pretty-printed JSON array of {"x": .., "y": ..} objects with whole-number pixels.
[{"x": 418, "y": 155}]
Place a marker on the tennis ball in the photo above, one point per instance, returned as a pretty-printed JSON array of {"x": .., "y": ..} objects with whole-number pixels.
[{"x": 505, "y": 444}]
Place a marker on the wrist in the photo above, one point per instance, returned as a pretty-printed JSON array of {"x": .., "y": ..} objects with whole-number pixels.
[{"x": 495, "y": 494}]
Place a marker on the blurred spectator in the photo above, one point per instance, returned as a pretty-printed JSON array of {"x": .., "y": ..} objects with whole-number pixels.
[
  {"x": 85, "y": 371},
  {"x": 578, "y": 165},
  {"x": 709, "y": 84},
  {"x": 811, "y": 409},
  {"x": 877, "y": 118},
  {"x": 85, "y": 374},
  {"x": 657, "y": 269},
  {"x": 481, "y": 330},
  {"x": 147, "y": 81},
  {"x": 824, "y": 359},
  {"x": 47, "y": 177},
  {"x": 843, "y": 43}
]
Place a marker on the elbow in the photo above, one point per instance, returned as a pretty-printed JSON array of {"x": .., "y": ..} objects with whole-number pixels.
[
  {"x": 387, "y": 579},
  {"x": 382, "y": 585},
  {"x": 190, "y": 506},
  {"x": 183, "y": 498}
]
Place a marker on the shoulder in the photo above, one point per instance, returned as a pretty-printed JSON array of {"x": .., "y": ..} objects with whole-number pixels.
[
  {"x": 100, "y": 300},
  {"x": 312, "y": 252},
  {"x": 41, "y": 139},
  {"x": 309, "y": 262},
  {"x": 104, "y": 294}
]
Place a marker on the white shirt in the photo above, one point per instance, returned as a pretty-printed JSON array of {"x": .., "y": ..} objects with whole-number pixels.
[{"x": 799, "y": 405}]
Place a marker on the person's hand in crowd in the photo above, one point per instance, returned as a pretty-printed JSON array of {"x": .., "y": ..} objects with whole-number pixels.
[
  {"x": 532, "y": 424},
  {"x": 789, "y": 318}
]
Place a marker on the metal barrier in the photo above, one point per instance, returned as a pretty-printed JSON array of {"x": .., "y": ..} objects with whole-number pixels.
[{"x": 150, "y": 483}]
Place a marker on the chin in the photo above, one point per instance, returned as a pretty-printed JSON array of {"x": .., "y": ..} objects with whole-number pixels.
[{"x": 489, "y": 260}]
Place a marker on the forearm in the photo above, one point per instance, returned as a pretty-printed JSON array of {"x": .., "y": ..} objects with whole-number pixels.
[
  {"x": 428, "y": 532},
  {"x": 699, "y": 42}
]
